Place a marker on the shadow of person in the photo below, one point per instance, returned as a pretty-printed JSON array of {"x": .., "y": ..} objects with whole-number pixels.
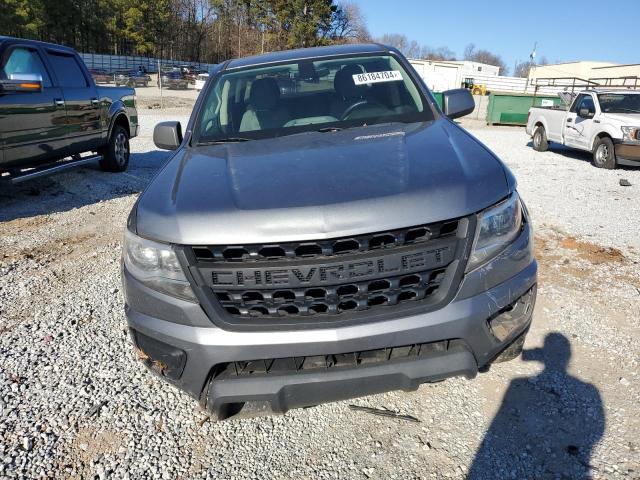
[{"x": 546, "y": 426}]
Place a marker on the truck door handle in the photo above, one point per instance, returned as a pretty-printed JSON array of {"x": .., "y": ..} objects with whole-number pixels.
[
  {"x": 569, "y": 120},
  {"x": 59, "y": 102}
]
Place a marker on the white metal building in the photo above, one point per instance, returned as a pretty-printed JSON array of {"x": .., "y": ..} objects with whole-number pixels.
[
  {"x": 441, "y": 75},
  {"x": 585, "y": 70},
  {"x": 471, "y": 69}
]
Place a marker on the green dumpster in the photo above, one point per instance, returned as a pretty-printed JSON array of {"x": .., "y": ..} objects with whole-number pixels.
[
  {"x": 438, "y": 97},
  {"x": 512, "y": 108}
]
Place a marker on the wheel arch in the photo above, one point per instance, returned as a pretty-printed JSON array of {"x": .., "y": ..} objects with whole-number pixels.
[
  {"x": 598, "y": 136},
  {"x": 120, "y": 118},
  {"x": 540, "y": 122}
]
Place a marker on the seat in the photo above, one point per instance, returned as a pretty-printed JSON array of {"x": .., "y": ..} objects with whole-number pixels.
[
  {"x": 264, "y": 110},
  {"x": 346, "y": 89}
]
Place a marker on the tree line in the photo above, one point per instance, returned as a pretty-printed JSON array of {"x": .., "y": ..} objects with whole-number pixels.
[
  {"x": 195, "y": 30},
  {"x": 208, "y": 31},
  {"x": 413, "y": 49}
]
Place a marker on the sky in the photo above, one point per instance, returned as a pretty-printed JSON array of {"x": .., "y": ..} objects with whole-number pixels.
[{"x": 565, "y": 30}]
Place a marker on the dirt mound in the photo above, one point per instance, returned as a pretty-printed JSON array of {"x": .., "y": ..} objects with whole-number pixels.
[{"x": 594, "y": 253}]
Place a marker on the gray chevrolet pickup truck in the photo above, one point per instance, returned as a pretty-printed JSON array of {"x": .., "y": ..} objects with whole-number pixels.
[
  {"x": 51, "y": 109},
  {"x": 324, "y": 231}
]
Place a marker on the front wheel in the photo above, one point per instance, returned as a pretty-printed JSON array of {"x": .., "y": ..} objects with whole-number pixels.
[
  {"x": 540, "y": 142},
  {"x": 115, "y": 156},
  {"x": 604, "y": 155}
]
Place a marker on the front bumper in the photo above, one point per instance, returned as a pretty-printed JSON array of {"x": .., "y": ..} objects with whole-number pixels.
[
  {"x": 462, "y": 325},
  {"x": 627, "y": 152}
]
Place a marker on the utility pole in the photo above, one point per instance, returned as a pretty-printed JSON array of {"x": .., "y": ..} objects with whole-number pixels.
[
  {"x": 532, "y": 57},
  {"x": 160, "y": 85}
]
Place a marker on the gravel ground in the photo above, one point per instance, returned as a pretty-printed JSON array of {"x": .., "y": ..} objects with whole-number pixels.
[{"x": 75, "y": 402}]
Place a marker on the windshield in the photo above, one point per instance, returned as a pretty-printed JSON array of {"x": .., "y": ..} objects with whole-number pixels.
[
  {"x": 275, "y": 100},
  {"x": 619, "y": 102}
]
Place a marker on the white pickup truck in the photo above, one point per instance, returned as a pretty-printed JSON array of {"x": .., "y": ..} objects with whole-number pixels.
[{"x": 606, "y": 123}]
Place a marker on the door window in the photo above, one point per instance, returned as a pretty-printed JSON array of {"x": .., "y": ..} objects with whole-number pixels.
[
  {"x": 26, "y": 60},
  {"x": 574, "y": 107},
  {"x": 67, "y": 70},
  {"x": 587, "y": 103},
  {"x": 584, "y": 101}
]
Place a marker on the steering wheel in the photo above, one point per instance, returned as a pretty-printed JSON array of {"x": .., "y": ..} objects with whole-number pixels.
[{"x": 356, "y": 106}]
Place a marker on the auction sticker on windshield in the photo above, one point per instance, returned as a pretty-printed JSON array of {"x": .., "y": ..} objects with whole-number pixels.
[{"x": 377, "y": 77}]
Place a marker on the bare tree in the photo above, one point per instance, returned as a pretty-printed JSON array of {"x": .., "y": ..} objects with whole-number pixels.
[
  {"x": 484, "y": 56},
  {"x": 397, "y": 40},
  {"x": 522, "y": 69},
  {"x": 413, "y": 49},
  {"x": 469, "y": 51},
  {"x": 440, "y": 53},
  {"x": 349, "y": 23}
]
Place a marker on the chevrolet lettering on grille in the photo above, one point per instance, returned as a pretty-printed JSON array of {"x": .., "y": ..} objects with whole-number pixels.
[{"x": 318, "y": 274}]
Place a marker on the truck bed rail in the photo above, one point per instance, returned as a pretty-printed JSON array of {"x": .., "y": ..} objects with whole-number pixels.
[{"x": 570, "y": 86}]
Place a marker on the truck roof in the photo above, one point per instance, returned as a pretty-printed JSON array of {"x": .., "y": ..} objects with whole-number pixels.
[
  {"x": 27, "y": 41},
  {"x": 612, "y": 90},
  {"x": 307, "y": 54}
]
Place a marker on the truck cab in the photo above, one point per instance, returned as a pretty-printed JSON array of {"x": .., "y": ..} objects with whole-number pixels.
[
  {"x": 51, "y": 108},
  {"x": 603, "y": 122}
]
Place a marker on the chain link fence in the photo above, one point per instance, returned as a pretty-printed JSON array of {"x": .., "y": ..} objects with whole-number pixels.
[{"x": 114, "y": 63}]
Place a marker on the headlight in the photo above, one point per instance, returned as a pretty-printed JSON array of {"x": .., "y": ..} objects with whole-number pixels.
[
  {"x": 156, "y": 266},
  {"x": 630, "y": 134},
  {"x": 497, "y": 227}
]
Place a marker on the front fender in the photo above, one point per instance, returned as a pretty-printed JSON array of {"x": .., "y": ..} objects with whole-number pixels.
[{"x": 608, "y": 130}]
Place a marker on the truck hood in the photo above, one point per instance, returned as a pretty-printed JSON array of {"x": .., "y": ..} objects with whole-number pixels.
[
  {"x": 321, "y": 185},
  {"x": 630, "y": 119}
]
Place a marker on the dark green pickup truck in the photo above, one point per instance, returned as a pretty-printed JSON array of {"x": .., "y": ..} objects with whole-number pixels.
[{"x": 52, "y": 110}]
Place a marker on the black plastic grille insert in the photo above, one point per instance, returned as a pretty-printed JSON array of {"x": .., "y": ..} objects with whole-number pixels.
[
  {"x": 331, "y": 300},
  {"x": 325, "y": 248},
  {"x": 292, "y": 365},
  {"x": 341, "y": 298}
]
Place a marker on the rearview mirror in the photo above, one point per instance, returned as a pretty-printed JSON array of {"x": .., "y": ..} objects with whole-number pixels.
[
  {"x": 457, "y": 103},
  {"x": 167, "y": 135},
  {"x": 586, "y": 113},
  {"x": 22, "y": 82}
]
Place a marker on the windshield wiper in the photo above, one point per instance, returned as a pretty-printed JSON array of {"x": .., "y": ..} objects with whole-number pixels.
[
  {"x": 329, "y": 129},
  {"x": 225, "y": 140},
  {"x": 628, "y": 110}
]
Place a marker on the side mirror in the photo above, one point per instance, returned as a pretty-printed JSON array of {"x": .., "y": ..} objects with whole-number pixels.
[
  {"x": 167, "y": 135},
  {"x": 457, "y": 103},
  {"x": 586, "y": 113},
  {"x": 22, "y": 82}
]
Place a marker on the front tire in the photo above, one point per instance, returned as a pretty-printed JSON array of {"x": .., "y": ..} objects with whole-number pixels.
[
  {"x": 115, "y": 156},
  {"x": 604, "y": 155},
  {"x": 540, "y": 142}
]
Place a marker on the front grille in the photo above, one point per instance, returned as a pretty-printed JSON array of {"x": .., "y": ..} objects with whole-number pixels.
[
  {"x": 332, "y": 300},
  {"x": 289, "y": 365},
  {"x": 326, "y": 248},
  {"x": 332, "y": 279}
]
